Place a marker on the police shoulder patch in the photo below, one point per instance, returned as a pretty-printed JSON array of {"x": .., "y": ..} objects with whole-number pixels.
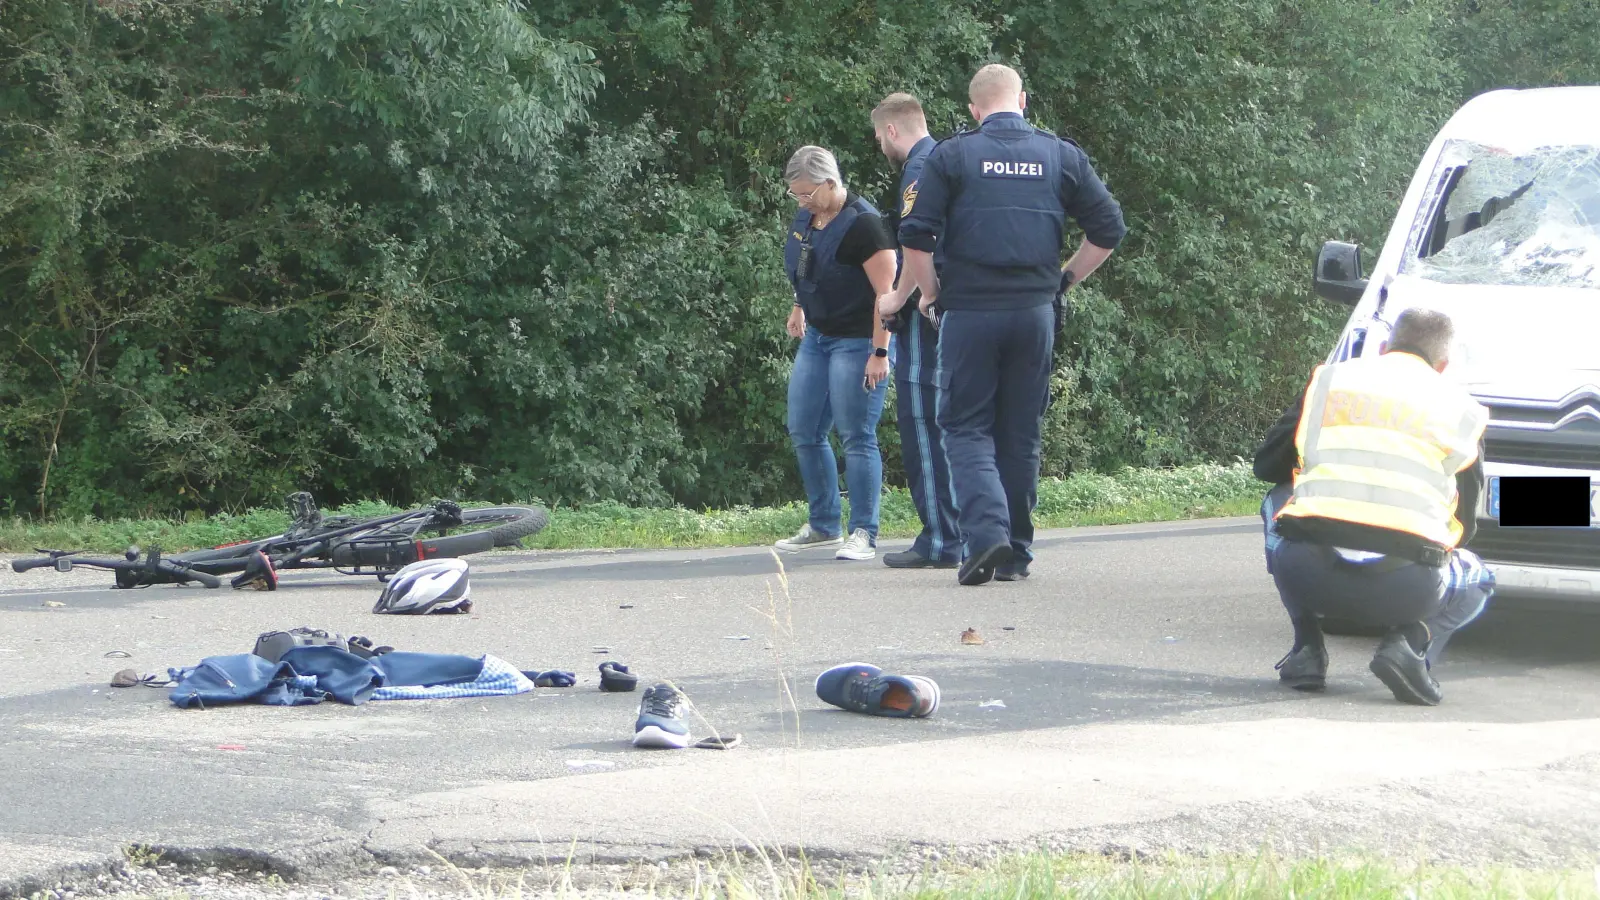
[
  {"x": 908, "y": 199},
  {"x": 1011, "y": 168}
]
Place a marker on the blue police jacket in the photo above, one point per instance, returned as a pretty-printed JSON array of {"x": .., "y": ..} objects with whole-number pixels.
[
  {"x": 995, "y": 201},
  {"x": 838, "y": 299},
  {"x": 910, "y": 175},
  {"x": 915, "y": 361}
]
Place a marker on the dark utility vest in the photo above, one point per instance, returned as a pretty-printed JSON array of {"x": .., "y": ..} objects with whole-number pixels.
[
  {"x": 1005, "y": 225},
  {"x": 838, "y": 299}
]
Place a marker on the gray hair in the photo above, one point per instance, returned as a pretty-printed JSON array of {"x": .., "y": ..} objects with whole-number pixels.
[
  {"x": 1425, "y": 332},
  {"x": 813, "y": 164}
]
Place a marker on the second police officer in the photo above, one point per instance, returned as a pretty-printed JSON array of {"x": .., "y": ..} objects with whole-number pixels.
[
  {"x": 902, "y": 132},
  {"x": 994, "y": 201}
]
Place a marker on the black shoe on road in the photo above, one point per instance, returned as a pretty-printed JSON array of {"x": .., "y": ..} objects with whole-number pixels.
[
  {"x": 1404, "y": 672},
  {"x": 980, "y": 566},
  {"x": 1305, "y": 668},
  {"x": 1012, "y": 571},
  {"x": 911, "y": 559}
]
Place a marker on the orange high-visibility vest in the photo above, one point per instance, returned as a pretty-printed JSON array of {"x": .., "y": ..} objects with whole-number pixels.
[{"x": 1380, "y": 442}]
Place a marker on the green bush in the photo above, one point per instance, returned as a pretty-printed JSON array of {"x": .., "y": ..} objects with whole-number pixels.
[{"x": 464, "y": 248}]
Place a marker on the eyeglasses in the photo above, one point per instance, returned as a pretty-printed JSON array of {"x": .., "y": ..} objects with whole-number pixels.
[{"x": 806, "y": 198}]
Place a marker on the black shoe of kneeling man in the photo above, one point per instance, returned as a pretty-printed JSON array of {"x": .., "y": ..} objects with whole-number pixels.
[
  {"x": 1305, "y": 668},
  {"x": 1404, "y": 671}
]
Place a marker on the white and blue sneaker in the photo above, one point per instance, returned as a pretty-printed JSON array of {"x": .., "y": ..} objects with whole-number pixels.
[
  {"x": 660, "y": 723},
  {"x": 864, "y": 688},
  {"x": 858, "y": 546},
  {"x": 806, "y": 539}
]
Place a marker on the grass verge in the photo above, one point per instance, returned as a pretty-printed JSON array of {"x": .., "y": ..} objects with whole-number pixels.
[
  {"x": 1044, "y": 877},
  {"x": 1041, "y": 876},
  {"x": 1134, "y": 495}
]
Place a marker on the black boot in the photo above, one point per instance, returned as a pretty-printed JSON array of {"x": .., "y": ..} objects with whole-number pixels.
[
  {"x": 1403, "y": 669},
  {"x": 1305, "y": 668}
]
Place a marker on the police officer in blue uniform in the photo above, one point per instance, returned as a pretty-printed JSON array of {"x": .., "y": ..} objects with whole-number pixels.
[
  {"x": 902, "y": 132},
  {"x": 994, "y": 202}
]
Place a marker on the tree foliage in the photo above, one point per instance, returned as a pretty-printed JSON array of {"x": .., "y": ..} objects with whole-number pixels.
[{"x": 465, "y": 247}]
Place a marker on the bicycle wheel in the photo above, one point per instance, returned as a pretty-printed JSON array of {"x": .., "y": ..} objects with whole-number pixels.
[
  {"x": 486, "y": 528},
  {"x": 480, "y": 530}
]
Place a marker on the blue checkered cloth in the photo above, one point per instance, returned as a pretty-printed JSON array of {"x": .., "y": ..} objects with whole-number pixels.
[
  {"x": 498, "y": 679},
  {"x": 1467, "y": 572}
]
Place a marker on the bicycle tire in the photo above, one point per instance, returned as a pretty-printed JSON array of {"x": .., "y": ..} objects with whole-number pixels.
[
  {"x": 375, "y": 552},
  {"x": 527, "y": 521}
]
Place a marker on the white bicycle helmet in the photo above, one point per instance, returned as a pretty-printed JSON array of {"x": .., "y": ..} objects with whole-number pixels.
[{"x": 427, "y": 586}]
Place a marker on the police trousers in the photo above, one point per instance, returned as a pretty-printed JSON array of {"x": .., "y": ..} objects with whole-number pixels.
[
  {"x": 995, "y": 383},
  {"x": 1313, "y": 579},
  {"x": 916, "y": 383}
]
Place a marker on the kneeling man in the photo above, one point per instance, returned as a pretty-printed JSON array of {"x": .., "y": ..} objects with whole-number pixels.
[{"x": 1378, "y": 469}]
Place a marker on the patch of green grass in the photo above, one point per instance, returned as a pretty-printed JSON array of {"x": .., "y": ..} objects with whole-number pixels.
[
  {"x": 1134, "y": 495},
  {"x": 773, "y": 875},
  {"x": 1096, "y": 877},
  {"x": 1045, "y": 877}
]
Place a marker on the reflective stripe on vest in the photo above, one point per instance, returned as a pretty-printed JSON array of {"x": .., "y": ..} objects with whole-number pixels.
[{"x": 1380, "y": 443}]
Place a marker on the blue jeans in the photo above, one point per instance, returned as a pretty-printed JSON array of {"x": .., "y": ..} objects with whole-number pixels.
[{"x": 826, "y": 392}]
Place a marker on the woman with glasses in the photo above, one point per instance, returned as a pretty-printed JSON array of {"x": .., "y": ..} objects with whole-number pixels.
[{"x": 840, "y": 257}]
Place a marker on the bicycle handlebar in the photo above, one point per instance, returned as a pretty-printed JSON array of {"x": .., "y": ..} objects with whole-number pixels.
[{"x": 169, "y": 568}]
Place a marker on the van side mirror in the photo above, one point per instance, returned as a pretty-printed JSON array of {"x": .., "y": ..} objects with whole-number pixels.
[{"x": 1338, "y": 275}]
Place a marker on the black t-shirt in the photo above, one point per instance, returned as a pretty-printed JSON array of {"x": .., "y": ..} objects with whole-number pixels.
[{"x": 867, "y": 235}]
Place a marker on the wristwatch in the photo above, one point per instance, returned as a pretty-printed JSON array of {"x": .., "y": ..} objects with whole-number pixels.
[{"x": 880, "y": 351}]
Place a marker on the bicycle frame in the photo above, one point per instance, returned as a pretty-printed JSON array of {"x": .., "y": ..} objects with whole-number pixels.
[{"x": 294, "y": 550}]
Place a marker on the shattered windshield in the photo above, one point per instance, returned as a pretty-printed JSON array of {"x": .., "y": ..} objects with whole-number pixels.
[{"x": 1532, "y": 219}]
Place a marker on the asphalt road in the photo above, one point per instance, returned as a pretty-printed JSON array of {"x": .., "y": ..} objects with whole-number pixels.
[{"x": 1140, "y": 708}]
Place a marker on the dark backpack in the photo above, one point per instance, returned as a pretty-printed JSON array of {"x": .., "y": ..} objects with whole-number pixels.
[{"x": 274, "y": 644}]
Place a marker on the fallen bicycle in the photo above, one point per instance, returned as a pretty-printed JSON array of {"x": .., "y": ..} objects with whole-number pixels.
[{"x": 349, "y": 545}]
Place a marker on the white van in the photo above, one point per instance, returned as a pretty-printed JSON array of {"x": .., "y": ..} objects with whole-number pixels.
[{"x": 1501, "y": 229}]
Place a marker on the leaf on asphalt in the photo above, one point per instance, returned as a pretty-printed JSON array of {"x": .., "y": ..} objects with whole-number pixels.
[
  {"x": 971, "y": 636},
  {"x": 54, "y": 603}
]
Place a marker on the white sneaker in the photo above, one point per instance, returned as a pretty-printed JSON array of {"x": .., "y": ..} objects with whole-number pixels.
[
  {"x": 805, "y": 538},
  {"x": 859, "y": 546}
]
